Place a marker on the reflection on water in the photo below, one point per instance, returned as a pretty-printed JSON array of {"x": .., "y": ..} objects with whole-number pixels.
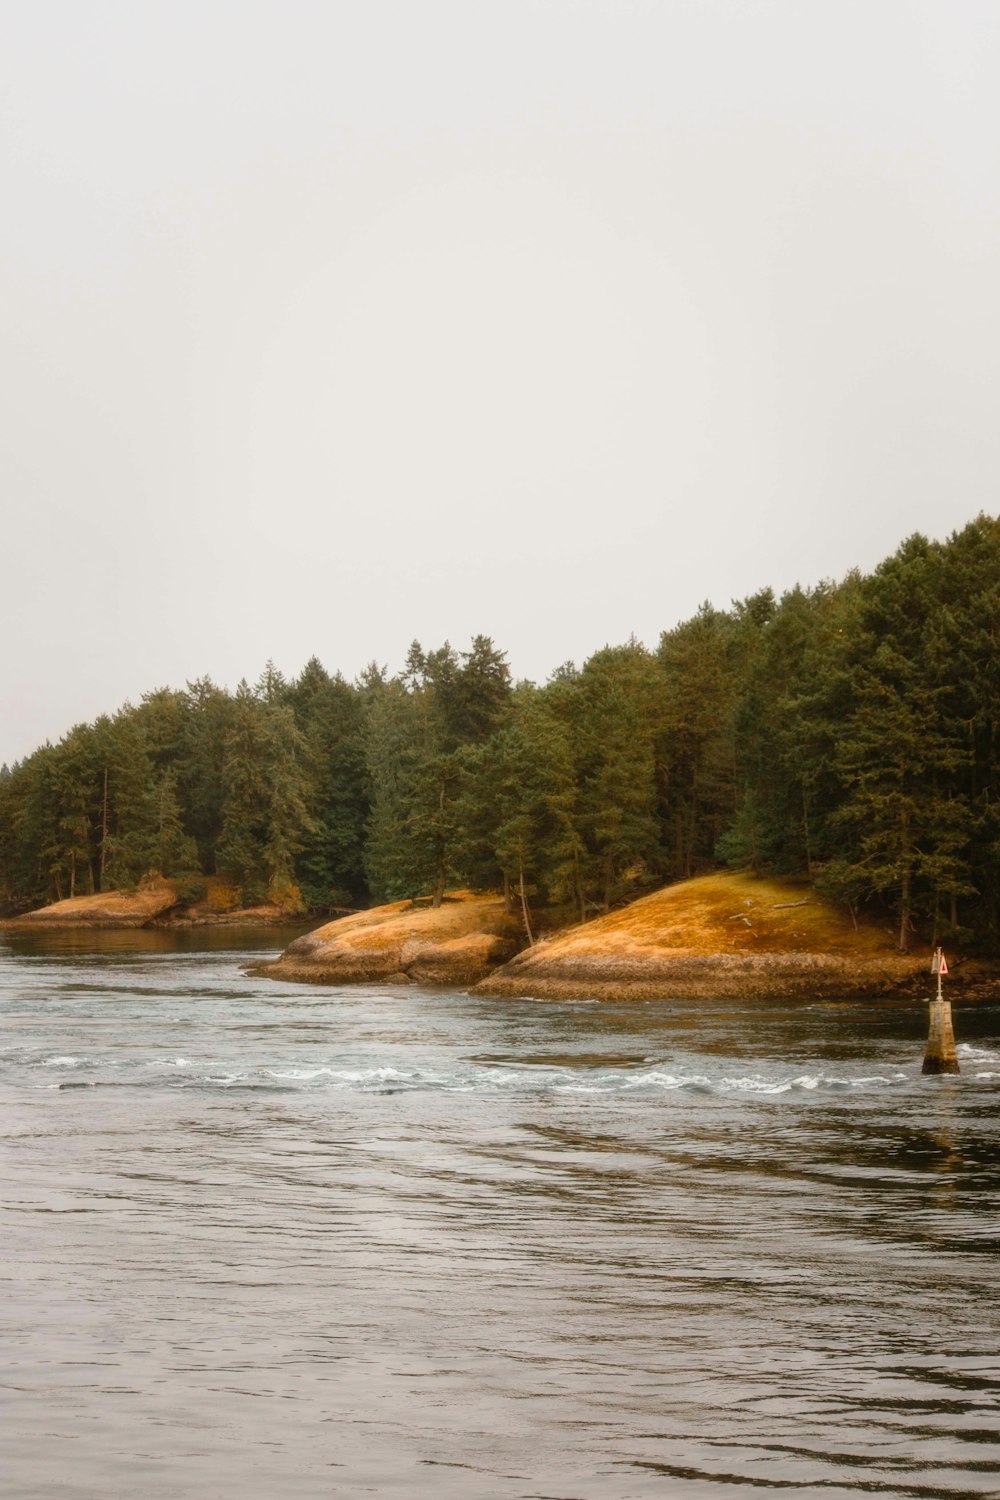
[{"x": 272, "y": 1241}]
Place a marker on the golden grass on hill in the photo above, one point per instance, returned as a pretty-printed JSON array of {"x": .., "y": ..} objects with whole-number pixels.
[
  {"x": 727, "y": 912},
  {"x": 110, "y": 909},
  {"x": 156, "y": 902},
  {"x": 715, "y": 937}
]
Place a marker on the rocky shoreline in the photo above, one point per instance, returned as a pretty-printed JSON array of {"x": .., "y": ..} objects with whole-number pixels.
[
  {"x": 456, "y": 943},
  {"x": 155, "y": 902},
  {"x": 771, "y": 976},
  {"x": 715, "y": 937}
]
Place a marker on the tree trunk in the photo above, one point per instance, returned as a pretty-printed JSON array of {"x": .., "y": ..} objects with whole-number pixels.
[
  {"x": 104, "y": 833},
  {"x": 805, "y": 831},
  {"x": 609, "y": 871},
  {"x": 904, "y": 901},
  {"x": 441, "y": 879},
  {"x": 524, "y": 904},
  {"x": 692, "y": 828}
]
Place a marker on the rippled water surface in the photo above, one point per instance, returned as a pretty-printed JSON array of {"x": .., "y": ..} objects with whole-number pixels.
[{"x": 271, "y": 1241}]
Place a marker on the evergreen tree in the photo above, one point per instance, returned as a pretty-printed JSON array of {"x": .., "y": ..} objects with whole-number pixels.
[
  {"x": 265, "y": 816},
  {"x": 699, "y": 751},
  {"x": 900, "y": 756},
  {"x": 200, "y": 767},
  {"x": 330, "y": 715},
  {"x": 616, "y": 707}
]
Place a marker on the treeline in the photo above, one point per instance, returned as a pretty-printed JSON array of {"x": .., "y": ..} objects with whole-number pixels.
[{"x": 847, "y": 733}]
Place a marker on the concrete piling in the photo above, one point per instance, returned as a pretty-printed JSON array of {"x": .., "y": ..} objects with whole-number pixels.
[{"x": 940, "y": 1056}]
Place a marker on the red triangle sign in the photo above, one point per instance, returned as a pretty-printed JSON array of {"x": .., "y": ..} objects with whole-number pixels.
[{"x": 943, "y": 968}]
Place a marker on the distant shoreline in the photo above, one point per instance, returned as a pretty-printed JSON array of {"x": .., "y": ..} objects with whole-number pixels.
[{"x": 155, "y": 903}]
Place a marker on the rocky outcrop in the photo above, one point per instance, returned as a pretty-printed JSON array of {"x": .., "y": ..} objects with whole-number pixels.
[
  {"x": 456, "y": 943},
  {"x": 771, "y": 976},
  {"x": 157, "y": 902},
  {"x": 720, "y": 937},
  {"x": 112, "y": 909}
]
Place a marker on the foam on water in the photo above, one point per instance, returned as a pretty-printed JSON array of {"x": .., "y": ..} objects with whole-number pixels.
[
  {"x": 357, "y": 1074},
  {"x": 984, "y": 1054}
]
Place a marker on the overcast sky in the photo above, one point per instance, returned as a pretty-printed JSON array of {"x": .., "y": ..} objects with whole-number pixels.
[{"x": 331, "y": 325}]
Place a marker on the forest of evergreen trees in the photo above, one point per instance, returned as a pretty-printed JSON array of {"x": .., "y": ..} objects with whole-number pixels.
[{"x": 847, "y": 733}]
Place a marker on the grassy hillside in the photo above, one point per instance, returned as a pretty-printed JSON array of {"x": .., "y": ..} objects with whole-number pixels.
[
  {"x": 715, "y": 936},
  {"x": 728, "y": 912}
]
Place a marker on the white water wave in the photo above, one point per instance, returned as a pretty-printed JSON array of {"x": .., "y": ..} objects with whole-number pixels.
[
  {"x": 559, "y": 1080},
  {"x": 568, "y": 1081},
  {"x": 345, "y": 1075}
]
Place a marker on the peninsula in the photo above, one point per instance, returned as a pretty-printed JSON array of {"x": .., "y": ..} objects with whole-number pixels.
[{"x": 716, "y": 937}]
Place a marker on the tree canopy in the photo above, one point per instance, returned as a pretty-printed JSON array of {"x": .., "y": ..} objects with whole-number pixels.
[{"x": 849, "y": 733}]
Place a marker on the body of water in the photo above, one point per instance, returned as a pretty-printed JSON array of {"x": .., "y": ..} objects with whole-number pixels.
[{"x": 264, "y": 1241}]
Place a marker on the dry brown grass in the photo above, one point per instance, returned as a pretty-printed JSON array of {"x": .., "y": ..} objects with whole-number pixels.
[
  {"x": 109, "y": 909},
  {"x": 460, "y": 913},
  {"x": 156, "y": 903},
  {"x": 716, "y": 936},
  {"x": 725, "y": 913}
]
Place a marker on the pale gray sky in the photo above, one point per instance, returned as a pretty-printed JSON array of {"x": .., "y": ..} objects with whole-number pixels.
[{"x": 329, "y": 325}]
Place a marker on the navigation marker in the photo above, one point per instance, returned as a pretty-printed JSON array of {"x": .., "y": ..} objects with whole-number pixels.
[{"x": 940, "y": 1056}]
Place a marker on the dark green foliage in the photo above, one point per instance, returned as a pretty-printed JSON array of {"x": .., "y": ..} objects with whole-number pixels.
[
  {"x": 616, "y": 710},
  {"x": 420, "y": 730},
  {"x": 849, "y": 733},
  {"x": 265, "y": 803},
  {"x": 329, "y": 867},
  {"x": 200, "y": 766},
  {"x": 699, "y": 660}
]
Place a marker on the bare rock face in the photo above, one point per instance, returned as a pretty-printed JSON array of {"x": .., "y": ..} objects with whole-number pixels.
[
  {"x": 456, "y": 943},
  {"x": 765, "y": 976}
]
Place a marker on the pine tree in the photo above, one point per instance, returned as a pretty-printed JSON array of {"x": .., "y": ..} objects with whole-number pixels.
[
  {"x": 899, "y": 750},
  {"x": 265, "y": 816},
  {"x": 200, "y": 766},
  {"x": 699, "y": 756},
  {"x": 617, "y": 713},
  {"x": 330, "y": 715}
]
